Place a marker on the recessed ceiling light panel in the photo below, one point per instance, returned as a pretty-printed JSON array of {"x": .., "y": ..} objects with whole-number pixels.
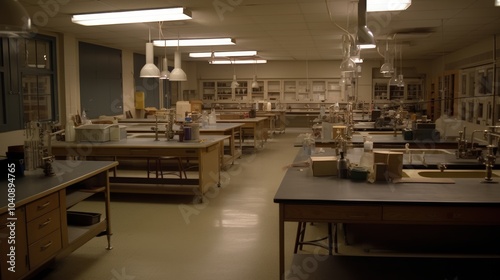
[
  {"x": 194, "y": 42},
  {"x": 152, "y": 15}
]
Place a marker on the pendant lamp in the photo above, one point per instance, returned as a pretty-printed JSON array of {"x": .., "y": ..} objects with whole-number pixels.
[
  {"x": 255, "y": 84},
  {"x": 14, "y": 20},
  {"x": 150, "y": 70},
  {"x": 365, "y": 36},
  {"x": 164, "y": 74},
  {"x": 177, "y": 75}
]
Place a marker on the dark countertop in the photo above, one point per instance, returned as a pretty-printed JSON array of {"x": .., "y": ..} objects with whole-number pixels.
[
  {"x": 35, "y": 185},
  {"x": 299, "y": 186}
]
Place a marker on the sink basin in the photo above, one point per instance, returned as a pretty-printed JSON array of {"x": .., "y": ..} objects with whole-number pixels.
[
  {"x": 455, "y": 174},
  {"x": 426, "y": 151}
]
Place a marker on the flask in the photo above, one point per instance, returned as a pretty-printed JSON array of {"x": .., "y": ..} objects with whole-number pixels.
[
  {"x": 342, "y": 166},
  {"x": 368, "y": 144}
]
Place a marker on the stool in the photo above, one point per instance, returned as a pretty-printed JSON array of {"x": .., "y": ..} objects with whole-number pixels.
[
  {"x": 301, "y": 232},
  {"x": 164, "y": 158}
]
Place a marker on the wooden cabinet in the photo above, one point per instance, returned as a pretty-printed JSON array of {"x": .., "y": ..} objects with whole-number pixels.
[{"x": 42, "y": 232}]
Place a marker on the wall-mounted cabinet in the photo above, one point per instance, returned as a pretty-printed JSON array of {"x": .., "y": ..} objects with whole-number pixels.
[
  {"x": 284, "y": 91},
  {"x": 474, "y": 99},
  {"x": 411, "y": 92}
]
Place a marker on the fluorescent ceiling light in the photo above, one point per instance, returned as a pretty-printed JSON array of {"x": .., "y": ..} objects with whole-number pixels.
[
  {"x": 223, "y": 54},
  {"x": 137, "y": 16},
  {"x": 194, "y": 42},
  {"x": 387, "y": 5},
  {"x": 245, "y": 61},
  {"x": 497, "y": 3}
]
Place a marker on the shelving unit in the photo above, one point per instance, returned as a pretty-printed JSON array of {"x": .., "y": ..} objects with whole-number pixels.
[
  {"x": 42, "y": 207},
  {"x": 411, "y": 92},
  {"x": 275, "y": 91}
]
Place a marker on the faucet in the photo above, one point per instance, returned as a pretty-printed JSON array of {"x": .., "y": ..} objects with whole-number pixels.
[
  {"x": 472, "y": 137},
  {"x": 408, "y": 151},
  {"x": 490, "y": 157},
  {"x": 156, "y": 128},
  {"x": 441, "y": 166}
]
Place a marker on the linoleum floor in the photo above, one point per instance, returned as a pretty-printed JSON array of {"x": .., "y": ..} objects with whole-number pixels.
[{"x": 233, "y": 234}]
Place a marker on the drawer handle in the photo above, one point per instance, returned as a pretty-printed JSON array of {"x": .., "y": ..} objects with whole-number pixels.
[
  {"x": 45, "y": 205},
  {"x": 44, "y": 247},
  {"x": 45, "y": 223}
]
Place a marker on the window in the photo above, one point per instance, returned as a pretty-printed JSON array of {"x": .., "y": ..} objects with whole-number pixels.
[
  {"x": 27, "y": 81},
  {"x": 37, "y": 78}
]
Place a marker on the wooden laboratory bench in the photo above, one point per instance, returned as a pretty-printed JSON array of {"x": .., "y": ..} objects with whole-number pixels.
[
  {"x": 257, "y": 126},
  {"x": 305, "y": 198},
  {"x": 206, "y": 152},
  {"x": 233, "y": 130},
  {"x": 39, "y": 212}
]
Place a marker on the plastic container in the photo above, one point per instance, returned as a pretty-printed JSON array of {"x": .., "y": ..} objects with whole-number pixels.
[
  {"x": 368, "y": 144},
  {"x": 181, "y": 107}
]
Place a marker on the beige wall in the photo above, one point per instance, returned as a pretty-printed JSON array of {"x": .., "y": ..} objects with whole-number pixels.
[{"x": 70, "y": 93}]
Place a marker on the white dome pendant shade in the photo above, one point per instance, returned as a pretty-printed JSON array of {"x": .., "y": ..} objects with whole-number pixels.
[
  {"x": 164, "y": 74},
  {"x": 255, "y": 84},
  {"x": 14, "y": 20},
  {"x": 150, "y": 70},
  {"x": 234, "y": 83},
  {"x": 177, "y": 75}
]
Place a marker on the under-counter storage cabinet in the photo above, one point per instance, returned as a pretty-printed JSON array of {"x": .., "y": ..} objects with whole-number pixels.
[
  {"x": 41, "y": 232},
  {"x": 43, "y": 218}
]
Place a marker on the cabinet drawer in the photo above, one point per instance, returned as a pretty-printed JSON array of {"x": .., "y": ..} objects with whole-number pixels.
[
  {"x": 43, "y": 225},
  {"x": 42, "y": 206},
  {"x": 445, "y": 215},
  {"x": 44, "y": 249},
  {"x": 332, "y": 213}
]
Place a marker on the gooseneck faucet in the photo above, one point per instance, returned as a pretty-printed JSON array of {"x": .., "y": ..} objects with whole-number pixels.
[{"x": 491, "y": 151}]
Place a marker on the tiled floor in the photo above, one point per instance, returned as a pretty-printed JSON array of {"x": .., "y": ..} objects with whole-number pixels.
[{"x": 232, "y": 235}]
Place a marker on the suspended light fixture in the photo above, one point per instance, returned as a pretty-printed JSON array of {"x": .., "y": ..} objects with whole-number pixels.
[
  {"x": 138, "y": 16},
  {"x": 195, "y": 42},
  {"x": 387, "y": 5},
  {"x": 364, "y": 36},
  {"x": 177, "y": 74},
  {"x": 222, "y": 54},
  {"x": 387, "y": 67},
  {"x": 14, "y": 20},
  {"x": 401, "y": 82},
  {"x": 164, "y": 74},
  {"x": 347, "y": 64},
  {"x": 149, "y": 70},
  {"x": 255, "y": 84},
  {"x": 234, "y": 83},
  {"x": 239, "y": 61}
]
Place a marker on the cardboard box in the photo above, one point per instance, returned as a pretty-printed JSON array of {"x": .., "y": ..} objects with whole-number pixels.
[
  {"x": 393, "y": 160},
  {"x": 324, "y": 165}
]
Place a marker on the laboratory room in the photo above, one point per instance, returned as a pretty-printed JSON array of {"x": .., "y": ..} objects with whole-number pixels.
[{"x": 301, "y": 139}]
